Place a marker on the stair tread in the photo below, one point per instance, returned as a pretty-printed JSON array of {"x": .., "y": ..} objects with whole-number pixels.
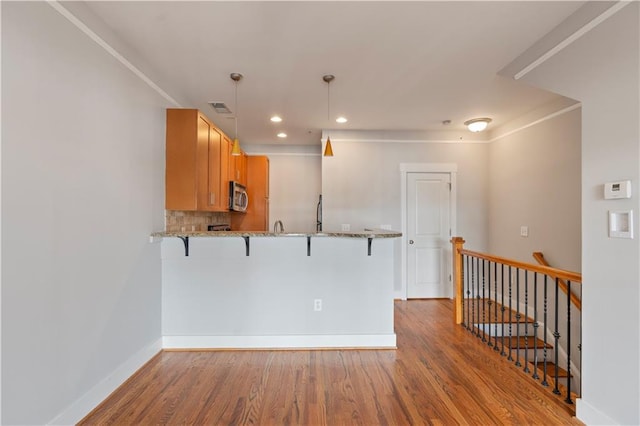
[
  {"x": 490, "y": 306},
  {"x": 551, "y": 369},
  {"x": 528, "y": 342},
  {"x": 525, "y": 342}
]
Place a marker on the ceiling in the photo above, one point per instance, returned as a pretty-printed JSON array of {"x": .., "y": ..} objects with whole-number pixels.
[{"x": 399, "y": 66}]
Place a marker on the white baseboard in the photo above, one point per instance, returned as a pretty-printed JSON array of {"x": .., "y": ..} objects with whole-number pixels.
[
  {"x": 281, "y": 342},
  {"x": 90, "y": 400},
  {"x": 589, "y": 415}
]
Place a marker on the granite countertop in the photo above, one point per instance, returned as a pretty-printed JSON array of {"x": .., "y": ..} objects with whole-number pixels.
[{"x": 367, "y": 233}]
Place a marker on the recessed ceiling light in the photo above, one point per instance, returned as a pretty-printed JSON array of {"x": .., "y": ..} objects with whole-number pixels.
[
  {"x": 276, "y": 119},
  {"x": 341, "y": 119},
  {"x": 282, "y": 135}
]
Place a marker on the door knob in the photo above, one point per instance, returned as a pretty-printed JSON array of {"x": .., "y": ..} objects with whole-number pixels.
[{"x": 410, "y": 241}]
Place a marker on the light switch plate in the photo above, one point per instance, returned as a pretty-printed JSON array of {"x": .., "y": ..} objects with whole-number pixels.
[
  {"x": 524, "y": 231},
  {"x": 621, "y": 224}
]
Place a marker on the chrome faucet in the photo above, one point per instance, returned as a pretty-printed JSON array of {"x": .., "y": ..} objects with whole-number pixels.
[
  {"x": 278, "y": 227},
  {"x": 319, "y": 215}
]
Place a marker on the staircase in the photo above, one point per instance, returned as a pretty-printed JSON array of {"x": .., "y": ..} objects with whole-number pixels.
[
  {"x": 514, "y": 338},
  {"x": 519, "y": 310}
]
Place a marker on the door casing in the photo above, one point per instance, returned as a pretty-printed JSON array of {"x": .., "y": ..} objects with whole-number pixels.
[{"x": 405, "y": 168}]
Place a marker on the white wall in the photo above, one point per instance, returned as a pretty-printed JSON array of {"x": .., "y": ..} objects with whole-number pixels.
[
  {"x": 294, "y": 184},
  {"x": 82, "y": 189},
  {"x": 601, "y": 70},
  {"x": 361, "y": 186},
  {"x": 219, "y": 297},
  {"x": 534, "y": 181},
  {"x": 294, "y": 191}
]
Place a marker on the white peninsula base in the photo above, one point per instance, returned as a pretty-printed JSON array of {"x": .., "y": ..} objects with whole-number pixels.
[{"x": 218, "y": 297}]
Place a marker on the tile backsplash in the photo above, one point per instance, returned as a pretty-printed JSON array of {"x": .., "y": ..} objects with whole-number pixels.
[{"x": 176, "y": 221}]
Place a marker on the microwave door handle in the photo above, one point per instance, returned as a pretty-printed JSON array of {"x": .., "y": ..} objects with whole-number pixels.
[{"x": 245, "y": 195}]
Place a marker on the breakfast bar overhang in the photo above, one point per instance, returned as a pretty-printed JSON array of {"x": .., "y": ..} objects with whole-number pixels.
[{"x": 277, "y": 290}]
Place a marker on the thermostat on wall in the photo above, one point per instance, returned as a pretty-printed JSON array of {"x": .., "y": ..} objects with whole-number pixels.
[{"x": 614, "y": 190}]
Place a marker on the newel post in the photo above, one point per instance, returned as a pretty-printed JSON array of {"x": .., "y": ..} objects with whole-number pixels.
[{"x": 458, "y": 298}]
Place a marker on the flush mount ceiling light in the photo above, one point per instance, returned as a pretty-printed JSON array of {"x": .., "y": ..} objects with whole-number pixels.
[
  {"x": 276, "y": 119},
  {"x": 282, "y": 135},
  {"x": 477, "y": 124},
  {"x": 341, "y": 119},
  {"x": 235, "y": 149},
  {"x": 328, "y": 151}
]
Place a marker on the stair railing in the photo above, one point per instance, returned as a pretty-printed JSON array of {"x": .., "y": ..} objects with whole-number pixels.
[
  {"x": 539, "y": 257},
  {"x": 492, "y": 300}
]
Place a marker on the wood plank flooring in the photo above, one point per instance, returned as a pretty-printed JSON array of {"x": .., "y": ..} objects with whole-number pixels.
[{"x": 440, "y": 374}]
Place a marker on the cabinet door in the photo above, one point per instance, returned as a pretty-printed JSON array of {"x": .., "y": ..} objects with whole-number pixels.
[
  {"x": 202, "y": 165},
  {"x": 257, "y": 215},
  {"x": 233, "y": 166},
  {"x": 239, "y": 168},
  {"x": 225, "y": 169},
  {"x": 214, "y": 200},
  {"x": 242, "y": 172},
  {"x": 181, "y": 178}
]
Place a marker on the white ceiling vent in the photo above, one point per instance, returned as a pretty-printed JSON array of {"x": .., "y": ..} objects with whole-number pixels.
[{"x": 220, "y": 107}]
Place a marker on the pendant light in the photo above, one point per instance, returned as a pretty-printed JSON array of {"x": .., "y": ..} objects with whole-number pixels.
[
  {"x": 235, "y": 149},
  {"x": 328, "y": 151}
]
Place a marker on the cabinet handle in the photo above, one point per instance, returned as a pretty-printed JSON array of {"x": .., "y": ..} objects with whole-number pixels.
[
  {"x": 212, "y": 198},
  {"x": 410, "y": 241}
]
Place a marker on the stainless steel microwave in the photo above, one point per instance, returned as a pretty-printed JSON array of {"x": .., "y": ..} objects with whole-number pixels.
[{"x": 238, "y": 198}]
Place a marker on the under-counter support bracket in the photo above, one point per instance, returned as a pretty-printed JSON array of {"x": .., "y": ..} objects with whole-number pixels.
[
  {"x": 370, "y": 240},
  {"x": 308, "y": 246},
  {"x": 246, "y": 244},
  {"x": 185, "y": 240}
]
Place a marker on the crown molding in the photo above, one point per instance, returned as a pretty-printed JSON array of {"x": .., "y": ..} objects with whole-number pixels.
[
  {"x": 109, "y": 49},
  {"x": 538, "y": 121},
  {"x": 580, "y": 23}
]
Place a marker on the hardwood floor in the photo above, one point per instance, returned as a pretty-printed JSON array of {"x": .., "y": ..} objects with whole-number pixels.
[{"x": 440, "y": 374}]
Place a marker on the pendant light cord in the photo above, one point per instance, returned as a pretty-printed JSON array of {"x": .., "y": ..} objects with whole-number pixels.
[
  {"x": 236, "y": 120},
  {"x": 329, "y": 101}
]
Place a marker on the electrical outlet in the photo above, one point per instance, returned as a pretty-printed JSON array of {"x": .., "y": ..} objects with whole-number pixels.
[
  {"x": 346, "y": 227},
  {"x": 524, "y": 231},
  {"x": 317, "y": 305}
]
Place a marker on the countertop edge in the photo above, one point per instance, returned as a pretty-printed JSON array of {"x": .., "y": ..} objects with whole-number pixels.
[{"x": 367, "y": 233}]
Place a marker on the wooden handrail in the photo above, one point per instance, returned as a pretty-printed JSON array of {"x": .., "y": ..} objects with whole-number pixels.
[
  {"x": 458, "y": 251},
  {"x": 574, "y": 277},
  {"x": 563, "y": 285}
]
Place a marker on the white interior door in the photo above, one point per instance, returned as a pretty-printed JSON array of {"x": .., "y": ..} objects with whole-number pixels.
[{"x": 428, "y": 235}]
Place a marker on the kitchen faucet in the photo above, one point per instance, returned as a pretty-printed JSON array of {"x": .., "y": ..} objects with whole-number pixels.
[
  {"x": 319, "y": 215},
  {"x": 278, "y": 227}
]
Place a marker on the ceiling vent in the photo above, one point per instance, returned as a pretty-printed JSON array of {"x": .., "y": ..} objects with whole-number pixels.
[{"x": 220, "y": 107}]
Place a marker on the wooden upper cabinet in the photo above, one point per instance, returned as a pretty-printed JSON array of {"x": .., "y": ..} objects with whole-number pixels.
[
  {"x": 197, "y": 163},
  {"x": 239, "y": 168},
  {"x": 256, "y": 218},
  {"x": 225, "y": 171},
  {"x": 214, "y": 188}
]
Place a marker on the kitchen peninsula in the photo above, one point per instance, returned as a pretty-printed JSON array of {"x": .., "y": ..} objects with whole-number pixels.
[{"x": 277, "y": 290}]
